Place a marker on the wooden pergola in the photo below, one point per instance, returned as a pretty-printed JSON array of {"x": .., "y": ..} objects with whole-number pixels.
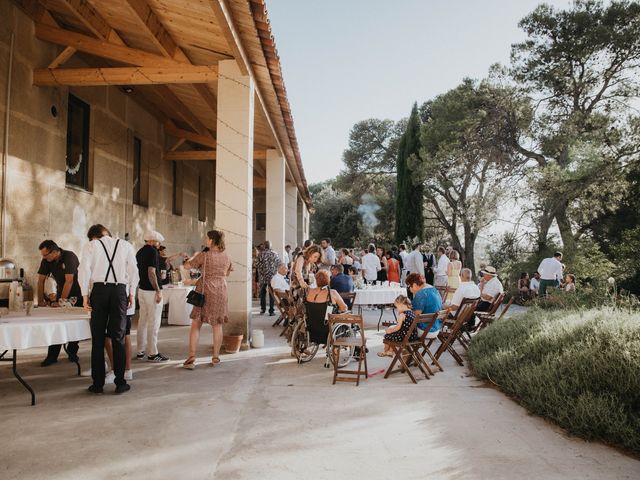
[{"x": 165, "y": 54}]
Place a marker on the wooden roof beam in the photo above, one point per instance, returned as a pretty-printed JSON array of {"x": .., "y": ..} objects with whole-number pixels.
[
  {"x": 46, "y": 77},
  {"x": 36, "y": 12},
  {"x": 172, "y": 100},
  {"x": 225, "y": 23},
  {"x": 171, "y": 129},
  {"x": 91, "y": 19},
  {"x": 102, "y": 48},
  {"x": 185, "y": 155}
]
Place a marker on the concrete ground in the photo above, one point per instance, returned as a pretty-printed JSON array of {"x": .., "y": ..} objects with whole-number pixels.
[{"x": 260, "y": 415}]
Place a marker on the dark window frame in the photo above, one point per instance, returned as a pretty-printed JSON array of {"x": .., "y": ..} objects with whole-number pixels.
[
  {"x": 82, "y": 180},
  {"x": 176, "y": 206},
  {"x": 137, "y": 172}
]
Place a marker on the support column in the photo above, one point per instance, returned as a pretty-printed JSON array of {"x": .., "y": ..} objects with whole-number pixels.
[
  {"x": 305, "y": 221},
  {"x": 276, "y": 201},
  {"x": 291, "y": 214},
  {"x": 300, "y": 221},
  {"x": 234, "y": 187}
]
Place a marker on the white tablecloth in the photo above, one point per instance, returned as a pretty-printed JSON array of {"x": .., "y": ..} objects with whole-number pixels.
[
  {"x": 179, "y": 309},
  {"x": 378, "y": 296},
  {"x": 46, "y": 326}
]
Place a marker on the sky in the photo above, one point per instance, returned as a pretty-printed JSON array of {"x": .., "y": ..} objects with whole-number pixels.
[{"x": 348, "y": 60}]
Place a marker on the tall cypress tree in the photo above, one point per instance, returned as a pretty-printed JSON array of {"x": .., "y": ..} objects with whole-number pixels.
[{"x": 409, "y": 196}]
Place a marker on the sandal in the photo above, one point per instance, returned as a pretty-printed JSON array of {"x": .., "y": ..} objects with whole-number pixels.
[
  {"x": 189, "y": 363},
  {"x": 382, "y": 354},
  {"x": 215, "y": 361}
]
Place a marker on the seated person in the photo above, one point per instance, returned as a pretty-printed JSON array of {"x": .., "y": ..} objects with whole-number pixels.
[
  {"x": 569, "y": 283},
  {"x": 534, "y": 284},
  {"x": 523, "y": 286},
  {"x": 341, "y": 282},
  {"x": 279, "y": 280},
  {"x": 396, "y": 333},
  {"x": 490, "y": 288},
  {"x": 467, "y": 289},
  {"x": 320, "y": 301},
  {"x": 426, "y": 299}
]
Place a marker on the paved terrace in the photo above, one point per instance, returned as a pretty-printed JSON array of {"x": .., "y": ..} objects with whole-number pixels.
[{"x": 260, "y": 415}]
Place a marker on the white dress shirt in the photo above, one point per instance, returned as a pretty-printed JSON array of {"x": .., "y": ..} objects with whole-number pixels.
[
  {"x": 285, "y": 258},
  {"x": 94, "y": 265},
  {"x": 414, "y": 263},
  {"x": 278, "y": 282},
  {"x": 443, "y": 265},
  {"x": 534, "y": 284},
  {"x": 550, "y": 269},
  {"x": 465, "y": 290},
  {"x": 329, "y": 256},
  {"x": 493, "y": 288},
  {"x": 404, "y": 255},
  {"x": 371, "y": 266}
]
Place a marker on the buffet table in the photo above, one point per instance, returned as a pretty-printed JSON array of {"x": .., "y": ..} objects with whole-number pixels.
[
  {"x": 46, "y": 326},
  {"x": 379, "y": 296},
  {"x": 179, "y": 309}
]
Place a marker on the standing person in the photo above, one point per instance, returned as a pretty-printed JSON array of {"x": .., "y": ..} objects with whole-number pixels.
[
  {"x": 442, "y": 267},
  {"x": 346, "y": 261},
  {"x": 384, "y": 265},
  {"x": 110, "y": 266},
  {"x": 328, "y": 254},
  {"x": 150, "y": 298},
  {"x": 429, "y": 260},
  {"x": 404, "y": 255},
  {"x": 534, "y": 285},
  {"x": 267, "y": 264},
  {"x": 371, "y": 265},
  {"x": 393, "y": 268},
  {"x": 286, "y": 256},
  {"x": 304, "y": 265},
  {"x": 165, "y": 263},
  {"x": 550, "y": 272},
  {"x": 415, "y": 263},
  {"x": 216, "y": 266},
  {"x": 62, "y": 265},
  {"x": 453, "y": 273}
]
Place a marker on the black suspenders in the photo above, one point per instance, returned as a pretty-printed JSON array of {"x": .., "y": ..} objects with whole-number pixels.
[{"x": 110, "y": 259}]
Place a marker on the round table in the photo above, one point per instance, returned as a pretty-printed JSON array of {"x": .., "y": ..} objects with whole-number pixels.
[
  {"x": 46, "y": 326},
  {"x": 179, "y": 309},
  {"x": 380, "y": 296}
]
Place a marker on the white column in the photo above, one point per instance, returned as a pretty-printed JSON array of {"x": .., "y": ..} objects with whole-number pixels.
[
  {"x": 305, "y": 221},
  {"x": 234, "y": 186},
  {"x": 291, "y": 218},
  {"x": 276, "y": 201}
]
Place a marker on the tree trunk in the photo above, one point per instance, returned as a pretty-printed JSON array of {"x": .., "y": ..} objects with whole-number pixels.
[
  {"x": 469, "y": 260},
  {"x": 546, "y": 219},
  {"x": 566, "y": 232}
]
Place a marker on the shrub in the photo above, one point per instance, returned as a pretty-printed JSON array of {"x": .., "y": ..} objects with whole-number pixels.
[{"x": 581, "y": 369}]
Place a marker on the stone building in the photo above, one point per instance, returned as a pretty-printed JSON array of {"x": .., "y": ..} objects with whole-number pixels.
[{"x": 140, "y": 114}]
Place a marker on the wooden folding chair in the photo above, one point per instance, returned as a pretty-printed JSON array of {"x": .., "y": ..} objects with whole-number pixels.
[
  {"x": 484, "y": 318},
  {"x": 452, "y": 330},
  {"x": 356, "y": 341},
  {"x": 443, "y": 292},
  {"x": 284, "y": 302},
  {"x": 408, "y": 353},
  {"x": 505, "y": 309},
  {"x": 350, "y": 297},
  {"x": 426, "y": 340}
]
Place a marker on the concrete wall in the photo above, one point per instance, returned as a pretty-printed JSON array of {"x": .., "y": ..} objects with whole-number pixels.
[
  {"x": 40, "y": 205},
  {"x": 259, "y": 206}
]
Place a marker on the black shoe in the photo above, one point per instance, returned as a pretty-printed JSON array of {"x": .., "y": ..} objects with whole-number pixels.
[
  {"x": 271, "y": 314},
  {"x": 48, "y": 361},
  {"x": 123, "y": 388},
  {"x": 94, "y": 389}
]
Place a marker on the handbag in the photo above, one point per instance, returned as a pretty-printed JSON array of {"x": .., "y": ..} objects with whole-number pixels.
[{"x": 194, "y": 297}]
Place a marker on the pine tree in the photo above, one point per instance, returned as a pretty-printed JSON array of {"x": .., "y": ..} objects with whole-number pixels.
[{"x": 409, "y": 199}]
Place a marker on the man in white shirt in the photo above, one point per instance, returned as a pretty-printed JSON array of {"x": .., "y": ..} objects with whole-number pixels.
[
  {"x": 415, "y": 262},
  {"x": 279, "y": 281},
  {"x": 404, "y": 255},
  {"x": 550, "y": 272},
  {"x": 107, "y": 268},
  {"x": 441, "y": 277},
  {"x": 371, "y": 265},
  {"x": 328, "y": 254},
  {"x": 534, "y": 284},
  {"x": 490, "y": 288},
  {"x": 466, "y": 289}
]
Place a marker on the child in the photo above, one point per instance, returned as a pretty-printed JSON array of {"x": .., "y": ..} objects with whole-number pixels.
[
  {"x": 397, "y": 332},
  {"x": 570, "y": 283}
]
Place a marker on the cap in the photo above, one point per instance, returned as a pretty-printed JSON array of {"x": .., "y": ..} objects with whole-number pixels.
[{"x": 153, "y": 235}]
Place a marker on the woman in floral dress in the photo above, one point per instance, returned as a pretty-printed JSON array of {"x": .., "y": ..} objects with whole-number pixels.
[{"x": 215, "y": 266}]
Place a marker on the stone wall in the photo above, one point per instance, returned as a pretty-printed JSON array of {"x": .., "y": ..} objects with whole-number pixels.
[{"x": 40, "y": 205}]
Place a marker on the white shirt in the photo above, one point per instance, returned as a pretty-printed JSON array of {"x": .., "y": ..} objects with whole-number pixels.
[
  {"x": 493, "y": 288},
  {"x": 278, "y": 282},
  {"x": 414, "y": 263},
  {"x": 534, "y": 284},
  {"x": 285, "y": 258},
  {"x": 550, "y": 269},
  {"x": 443, "y": 265},
  {"x": 404, "y": 255},
  {"x": 94, "y": 264},
  {"x": 465, "y": 290},
  {"x": 371, "y": 266},
  {"x": 329, "y": 255}
]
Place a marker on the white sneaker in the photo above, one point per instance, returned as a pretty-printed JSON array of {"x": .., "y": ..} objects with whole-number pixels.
[
  {"x": 109, "y": 378},
  {"x": 128, "y": 374}
]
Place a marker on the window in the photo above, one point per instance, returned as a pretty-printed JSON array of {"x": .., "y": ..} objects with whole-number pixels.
[
  {"x": 77, "y": 163},
  {"x": 202, "y": 198},
  {"x": 261, "y": 222},
  {"x": 177, "y": 189},
  {"x": 137, "y": 171}
]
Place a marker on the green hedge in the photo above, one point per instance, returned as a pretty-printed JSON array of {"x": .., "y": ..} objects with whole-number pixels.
[{"x": 578, "y": 368}]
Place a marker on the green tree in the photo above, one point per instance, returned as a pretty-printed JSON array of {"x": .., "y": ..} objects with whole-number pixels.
[
  {"x": 336, "y": 216},
  {"x": 410, "y": 192},
  {"x": 581, "y": 67},
  {"x": 466, "y": 163}
]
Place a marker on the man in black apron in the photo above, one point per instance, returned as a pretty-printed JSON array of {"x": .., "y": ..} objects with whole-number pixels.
[{"x": 110, "y": 266}]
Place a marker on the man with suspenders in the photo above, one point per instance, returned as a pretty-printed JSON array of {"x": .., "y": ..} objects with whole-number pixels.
[{"x": 107, "y": 267}]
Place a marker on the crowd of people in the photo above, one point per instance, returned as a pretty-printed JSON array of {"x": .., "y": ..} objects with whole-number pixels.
[{"x": 550, "y": 274}]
